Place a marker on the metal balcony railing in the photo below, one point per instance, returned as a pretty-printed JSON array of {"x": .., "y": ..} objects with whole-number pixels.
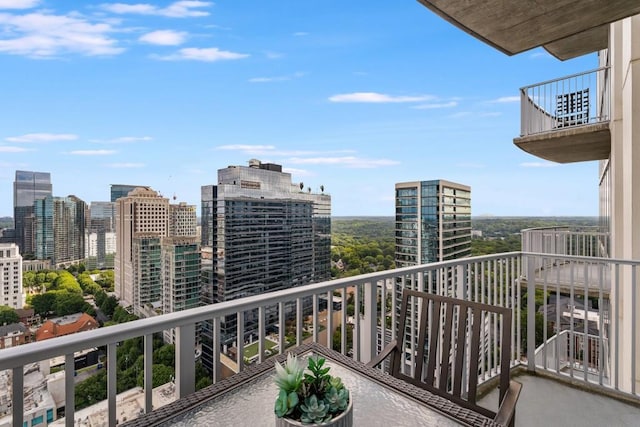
[
  {"x": 576, "y": 100},
  {"x": 496, "y": 279}
]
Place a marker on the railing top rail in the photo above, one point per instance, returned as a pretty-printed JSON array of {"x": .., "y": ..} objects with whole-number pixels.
[
  {"x": 524, "y": 88},
  {"x": 594, "y": 230},
  {"x": 41, "y": 350}
]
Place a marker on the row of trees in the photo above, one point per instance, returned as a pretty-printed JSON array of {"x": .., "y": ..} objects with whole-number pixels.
[
  {"x": 59, "y": 293},
  {"x": 362, "y": 245}
]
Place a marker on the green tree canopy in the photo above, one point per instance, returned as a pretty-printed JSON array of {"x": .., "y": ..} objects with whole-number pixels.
[{"x": 8, "y": 315}]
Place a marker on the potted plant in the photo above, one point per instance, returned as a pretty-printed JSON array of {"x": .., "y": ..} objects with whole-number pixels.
[{"x": 311, "y": 398}]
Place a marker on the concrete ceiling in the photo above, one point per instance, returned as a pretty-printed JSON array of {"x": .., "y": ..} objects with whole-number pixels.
[
  {"x": 514, "y": 26},
  {"x": 580, "y": 44}
]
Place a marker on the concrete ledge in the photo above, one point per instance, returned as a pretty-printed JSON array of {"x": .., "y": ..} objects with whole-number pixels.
[{"x": 568, "y": 145}]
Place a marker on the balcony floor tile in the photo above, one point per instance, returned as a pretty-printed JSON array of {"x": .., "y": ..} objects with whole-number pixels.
[{"x": 545, "y": 402}]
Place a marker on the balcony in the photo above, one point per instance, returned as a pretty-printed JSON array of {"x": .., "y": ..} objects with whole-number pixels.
[
  {"x": 567, "y": 120},
  {"x": 569, "y": 338}
]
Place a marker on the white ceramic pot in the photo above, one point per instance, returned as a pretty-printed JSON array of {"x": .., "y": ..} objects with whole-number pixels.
[{"x": 343, "y": 420}]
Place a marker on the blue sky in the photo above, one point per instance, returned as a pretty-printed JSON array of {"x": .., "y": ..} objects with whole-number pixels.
[{"x": 353, "y": 95}]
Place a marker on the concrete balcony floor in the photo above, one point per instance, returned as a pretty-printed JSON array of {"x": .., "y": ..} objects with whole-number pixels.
[{"x": 546, "y": 402}]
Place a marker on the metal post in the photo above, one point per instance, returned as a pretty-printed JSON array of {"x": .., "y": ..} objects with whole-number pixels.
[
  {"x": 148, "y": 373},
  {"x": 69, "y": 390},
  {"x": 185, "y": 360},
  {"x": 112, "y": 386},
  {"x": 18, "y": 397}
]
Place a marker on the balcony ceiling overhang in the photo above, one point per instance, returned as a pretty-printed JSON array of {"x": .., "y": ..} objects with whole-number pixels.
[
  {"x": 576, "y": 144},
  {"x": 514, "y": 26}
]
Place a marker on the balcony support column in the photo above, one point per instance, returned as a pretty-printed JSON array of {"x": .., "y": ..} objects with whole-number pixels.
[
  {"x": 369, "y": 325},
  {"x": 185, "y": 360},
  {"x": 625, "y": 196},
  {"x": 531, "y": 314}
]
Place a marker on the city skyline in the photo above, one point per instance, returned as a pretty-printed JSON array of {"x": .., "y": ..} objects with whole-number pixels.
[{"x": 354, "y": 97}]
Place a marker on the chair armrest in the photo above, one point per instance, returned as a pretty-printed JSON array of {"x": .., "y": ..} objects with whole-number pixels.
[
  {"x": 383, "y": 354},
  {"x": 507, "y": 410}
]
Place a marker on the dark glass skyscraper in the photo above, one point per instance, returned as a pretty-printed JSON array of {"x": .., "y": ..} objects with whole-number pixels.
[
  {"x": 265, "y": 233},
  {"x": 27, "y": 188},
  {"x": 433, "y": 222},
  {"x": 121, "y": 190}
]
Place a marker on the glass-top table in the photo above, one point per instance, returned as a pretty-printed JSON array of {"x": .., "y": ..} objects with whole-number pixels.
[{"x": 247, "y": 399}]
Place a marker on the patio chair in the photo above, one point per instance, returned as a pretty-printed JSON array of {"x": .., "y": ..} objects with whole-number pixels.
[{"x": 450, "y": 353}]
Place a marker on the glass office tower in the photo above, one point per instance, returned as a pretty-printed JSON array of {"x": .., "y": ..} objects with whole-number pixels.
[
  {"x": 27, "y": 188},
  {"x": 263, "y": 233}
]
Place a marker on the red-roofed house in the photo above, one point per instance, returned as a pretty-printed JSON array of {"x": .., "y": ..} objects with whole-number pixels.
[{"x": 65, "y": 326}]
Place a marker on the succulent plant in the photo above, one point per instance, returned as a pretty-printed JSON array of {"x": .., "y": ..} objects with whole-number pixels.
[
  {"x": 314, "y": 411},
  {"x": 289, "y": 377},
  {"x": 310, "y": 397}
]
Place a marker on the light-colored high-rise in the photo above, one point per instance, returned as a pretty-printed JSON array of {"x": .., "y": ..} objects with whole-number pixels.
[
  {"x": 152, "y": 264},
  {"x": 11, "y": 276}
]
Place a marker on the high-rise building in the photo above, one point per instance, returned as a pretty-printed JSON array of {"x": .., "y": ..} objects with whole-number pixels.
[
  {"x": 27, "y": 188},
  {"x": 142, "y": 218},
  {"x": 152, "y": 265},
  {"x": 121, "y": 190},
  {"x": 100, "y": 237},
  {"x": 263, "y": 233},
  {"x": 60, "y": 229},
  {"x": 11, "y": 276},
  {"x": 433, "y": 222},
  {"x": 181, "y": 274}
]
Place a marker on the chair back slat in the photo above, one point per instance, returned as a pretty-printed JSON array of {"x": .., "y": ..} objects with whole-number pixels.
[
  {"x": 459, "y": 349},
  {"x": 433, "y": 344},
  {"x": 423, "y": 306},
  {"x": 446, "y": 348},
  {"x": 474, "y": 357}
]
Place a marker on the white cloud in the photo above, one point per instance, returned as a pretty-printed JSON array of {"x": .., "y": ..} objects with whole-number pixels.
[
  {"x": 92, "y": 152},
  {"x": 9, "y": 149},
  {"x": 211, "y": 54},
  {"x": 42, "y": 35},
  {"x": 276, "y": 79},
  {"x": 123, "y": 140},
  {"x": 18, "y": 4},
  {"x": 300, "y": 34},
  {"x": 43, "y": 137},
  {"x": 505, "y": 100},
  {"x": 164, "y": 37},
  {"x": 348, "y": 161},
  {"x": 449, "y": 104},
  {"x": 273, "y": 55},
  {"x": 270, "y": 150},
  {"x": 540, "y": 55},
  {"x": 538, "y": 165},
  {"x": 125, "y": 165},
  {"x": 179, "y": 9},
  {"x": 374, "y": 97},
  {"x": 254, "y": 150},
  {"x": 298, "y": 172}
]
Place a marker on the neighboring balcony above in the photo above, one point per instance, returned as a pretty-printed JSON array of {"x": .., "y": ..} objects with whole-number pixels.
[
  {"x": 567, "y": 120},
  {"x": 566, "y": 28}
]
